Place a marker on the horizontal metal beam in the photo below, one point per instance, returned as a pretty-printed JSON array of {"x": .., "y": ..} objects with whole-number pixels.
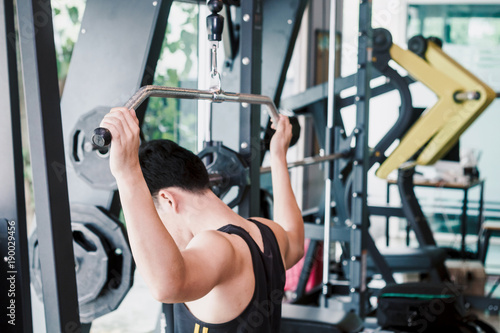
[
  {"x": 386, "y": 211},
  {"x": 320, "y": 92},
  {"x": 307, "y": 161},
  {"x": 337, "y": 233}
]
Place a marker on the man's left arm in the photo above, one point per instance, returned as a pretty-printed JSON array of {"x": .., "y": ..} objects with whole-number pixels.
[{"x": 170, "y": 274}]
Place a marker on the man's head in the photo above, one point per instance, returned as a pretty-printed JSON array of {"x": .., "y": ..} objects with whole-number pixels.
[{"x": 166, "y": 164}]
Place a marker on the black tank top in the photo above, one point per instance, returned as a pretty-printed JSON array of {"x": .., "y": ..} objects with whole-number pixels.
[{"x": 263, "y": 313}]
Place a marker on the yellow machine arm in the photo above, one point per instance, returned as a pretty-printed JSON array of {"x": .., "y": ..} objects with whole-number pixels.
[{"x": 440, "y": 126}]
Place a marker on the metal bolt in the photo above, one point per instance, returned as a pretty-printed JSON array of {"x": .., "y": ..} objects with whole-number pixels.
[
  {"x": 344, "y": 262},
  {"x": 5, "y": 259},
  {"x": 118, "y": 251},
  {"x": 246, "y": 17},
  {"x": 84, "y": 31},
  {"x": 357, "y": 98},
  {"x": 353, "y": 258},
  {"x": 341, "y": 176},
  {"x": 355, "y": 195},
  {"x": 355, "y": 162},
  {"x": 245, "y": 61},
  {"x": 342, "y": 131},
  {"x": 348, "y": 222},
  {"x": 87, "y": 147},
  {"x": 244, "y": 145},
  {"x": 155, "y": 3},
  {"x": 353, "y": 290},
  {"x": 289, "y": 21},
  {"x": 245, "y": 105},
  {"x": 356, "y": 130},
  {"x": 354, "y": 226}
]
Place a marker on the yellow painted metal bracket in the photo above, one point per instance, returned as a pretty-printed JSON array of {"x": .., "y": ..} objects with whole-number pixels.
[{"x": 439, "y": 127}]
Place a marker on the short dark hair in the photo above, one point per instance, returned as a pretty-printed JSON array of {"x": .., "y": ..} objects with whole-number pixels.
[{"x": 166, "y": 164}]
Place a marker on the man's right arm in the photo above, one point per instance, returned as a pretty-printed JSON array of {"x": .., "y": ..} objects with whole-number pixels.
[{"x": 286, "y": 211}]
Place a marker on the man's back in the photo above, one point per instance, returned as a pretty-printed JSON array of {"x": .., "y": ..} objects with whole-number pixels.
[
  {"x": 251, "y": 302},
  {"x": 173, "y": 217}
]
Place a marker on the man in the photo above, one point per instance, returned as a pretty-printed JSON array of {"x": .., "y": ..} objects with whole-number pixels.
[{"x": 225, "y": 273}]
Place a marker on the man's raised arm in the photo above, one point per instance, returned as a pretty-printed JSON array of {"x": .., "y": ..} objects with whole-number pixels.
[{"x": 286, "y": 211}]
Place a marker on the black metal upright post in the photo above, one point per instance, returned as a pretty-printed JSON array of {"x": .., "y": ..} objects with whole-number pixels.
[
  {"x": 15, "y": 297},
  {"x": 329, "y": 150},
  {"x": 359, "y": 217},
  {"x": 250, "y": 82},
  {"x": 41, "y": 89}
]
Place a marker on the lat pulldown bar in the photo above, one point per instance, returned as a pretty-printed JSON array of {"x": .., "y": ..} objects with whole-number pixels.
[{"x": 102, "y": 136}]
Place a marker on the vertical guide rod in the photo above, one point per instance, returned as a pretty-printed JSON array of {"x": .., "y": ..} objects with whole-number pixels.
[
  {"x": 39, "y": 72},
  {"x": 329, "y": 151}
]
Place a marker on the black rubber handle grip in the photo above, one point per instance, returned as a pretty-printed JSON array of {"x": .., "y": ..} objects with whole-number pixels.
[{"x": 101, "y": 137}]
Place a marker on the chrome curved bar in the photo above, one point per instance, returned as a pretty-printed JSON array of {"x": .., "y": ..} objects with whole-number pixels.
[{"x": 215, "y": 96}]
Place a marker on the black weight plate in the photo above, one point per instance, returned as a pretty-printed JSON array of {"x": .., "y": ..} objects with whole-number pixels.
[
  {"x": 294, "y": 121},
  {"x": 120, "y": 268},
  {"x": 103, "y": 261},
  {"x": 232, "y": 169},
  {"x": 91, "y": 262},
  {"x": 90, "y": 164}
]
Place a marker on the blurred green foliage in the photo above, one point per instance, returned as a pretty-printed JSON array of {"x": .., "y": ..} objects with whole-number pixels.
[{"x": 163, "y": 119}]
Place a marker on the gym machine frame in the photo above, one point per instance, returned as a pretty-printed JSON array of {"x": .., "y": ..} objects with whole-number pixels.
[
  {"x": 39, "y": 72},
  {"x": 253, "y": 10},
  {"x": 250, "y": 82},
  {"x": 14, "y": 272}
]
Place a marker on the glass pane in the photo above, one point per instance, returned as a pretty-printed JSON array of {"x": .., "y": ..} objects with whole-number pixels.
[
  {"x": 471, "y": 36},
  {"x": 456, "y": 24},
  {"x": 175, "y": 119}
]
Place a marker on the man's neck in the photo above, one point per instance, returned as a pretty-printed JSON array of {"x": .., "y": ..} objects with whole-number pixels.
[
  {"x": 198, "y": 213},
  {"x": 207, "y": 212}
]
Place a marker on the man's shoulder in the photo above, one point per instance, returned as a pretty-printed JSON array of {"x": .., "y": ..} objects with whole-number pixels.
[
  {"x": 209, "y": 237},
  {"x": 278, "y": 231},
  {"x": 275, "y": 227}
]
